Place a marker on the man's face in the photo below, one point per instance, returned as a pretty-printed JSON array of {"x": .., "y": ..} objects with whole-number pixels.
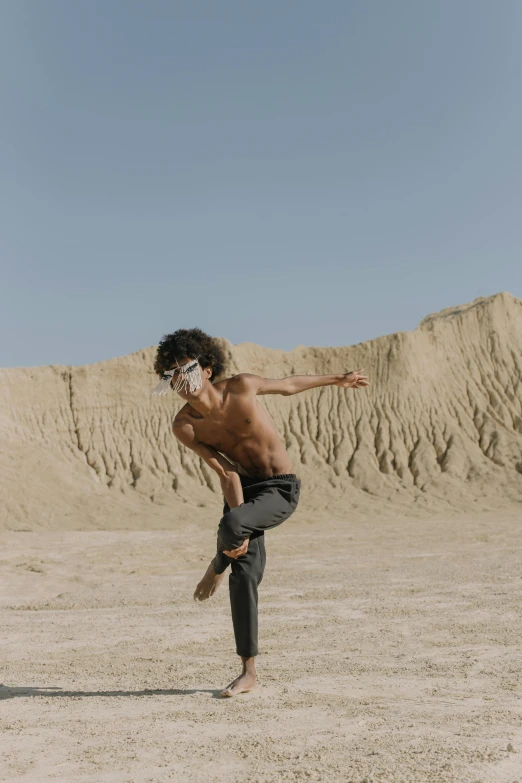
[{"x": 189, "y": 377}]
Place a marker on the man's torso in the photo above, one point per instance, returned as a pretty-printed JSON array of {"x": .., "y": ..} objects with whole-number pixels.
[{"x": 242, "y": 430}]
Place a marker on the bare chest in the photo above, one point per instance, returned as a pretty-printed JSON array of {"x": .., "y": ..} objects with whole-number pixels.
[{"x": 228, "y": 431}]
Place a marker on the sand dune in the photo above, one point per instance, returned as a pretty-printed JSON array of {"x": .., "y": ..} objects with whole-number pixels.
[{"x": 440, "y": 429}]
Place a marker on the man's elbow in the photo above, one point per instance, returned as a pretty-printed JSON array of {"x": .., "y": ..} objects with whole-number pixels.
[
  {"x": 177, "y": 426},
  {"x": 224, "y": 469},
  {"x": 229, "y": 477}
]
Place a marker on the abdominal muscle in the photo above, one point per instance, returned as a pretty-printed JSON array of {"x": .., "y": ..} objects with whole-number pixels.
[
  {"x": 259, "y": 453},
  {"x": 255, "y": 461}
]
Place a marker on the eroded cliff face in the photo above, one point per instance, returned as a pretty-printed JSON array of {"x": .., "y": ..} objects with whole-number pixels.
[{"x": 440, "y": 429}]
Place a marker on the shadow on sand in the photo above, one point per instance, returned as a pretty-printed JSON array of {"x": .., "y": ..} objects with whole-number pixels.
[{"x": 12, "y": 693}]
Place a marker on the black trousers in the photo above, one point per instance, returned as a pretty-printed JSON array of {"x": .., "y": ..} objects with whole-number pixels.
[{"x": 267, "y": 503}]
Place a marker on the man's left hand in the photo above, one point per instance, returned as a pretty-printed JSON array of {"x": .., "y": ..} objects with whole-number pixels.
[{"x": 353, "y": 380}]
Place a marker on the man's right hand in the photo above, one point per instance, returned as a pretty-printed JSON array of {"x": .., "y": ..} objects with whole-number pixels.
[{"x": 241, "y": 550}]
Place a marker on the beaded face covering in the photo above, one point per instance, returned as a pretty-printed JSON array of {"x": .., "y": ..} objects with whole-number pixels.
[{"x": 188, "y": 378}]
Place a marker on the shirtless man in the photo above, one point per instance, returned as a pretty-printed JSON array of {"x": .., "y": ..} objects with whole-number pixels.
[{"x": 226, "y": 425}]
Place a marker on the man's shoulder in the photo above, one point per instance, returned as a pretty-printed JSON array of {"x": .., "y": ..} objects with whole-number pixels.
[
  {"x": 182, "y": 417},
  {"x": 183, "y": 429},
  {"x": 241, "y": 382}
]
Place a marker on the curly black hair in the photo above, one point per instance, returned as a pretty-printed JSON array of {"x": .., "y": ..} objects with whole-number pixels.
[{"x": 191, "y": 343}]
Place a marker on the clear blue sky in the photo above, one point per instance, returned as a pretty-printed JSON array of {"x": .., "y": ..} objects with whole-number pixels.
[{"x": 315, "y": 172}]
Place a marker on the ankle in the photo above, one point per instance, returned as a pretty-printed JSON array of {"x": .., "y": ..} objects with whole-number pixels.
[{"x": 249, "y": 665}]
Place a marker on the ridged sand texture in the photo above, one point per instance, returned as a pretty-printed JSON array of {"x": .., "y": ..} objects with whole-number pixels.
[{"x": 439, "y": 430}]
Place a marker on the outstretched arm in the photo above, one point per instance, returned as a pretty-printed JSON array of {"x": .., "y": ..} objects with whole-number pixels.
[
  {"x": 298, "y": 383},
  {"x": 228, "y": 474}
]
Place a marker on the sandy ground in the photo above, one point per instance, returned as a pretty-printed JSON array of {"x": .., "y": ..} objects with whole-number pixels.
[{"x": 390, "y": 651}]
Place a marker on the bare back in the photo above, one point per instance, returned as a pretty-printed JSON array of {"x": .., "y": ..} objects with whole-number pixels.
[{"x": 241, "y": 430}]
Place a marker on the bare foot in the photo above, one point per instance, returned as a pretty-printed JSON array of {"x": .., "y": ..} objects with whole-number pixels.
[
  {"x": 209, "y": 584},
  {"x": 245, "y": 683}
]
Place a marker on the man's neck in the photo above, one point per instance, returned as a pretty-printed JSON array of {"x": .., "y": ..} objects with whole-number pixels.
[{"x": 207, "y": 402}]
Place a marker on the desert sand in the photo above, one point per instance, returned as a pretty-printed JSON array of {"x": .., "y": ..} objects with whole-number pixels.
[{"x": 390, "y": 608}]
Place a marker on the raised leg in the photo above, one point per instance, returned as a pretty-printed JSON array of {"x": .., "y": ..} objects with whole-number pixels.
[
  {"x": 210, "y": 582},
  {"x": 215, "y": 572}
]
